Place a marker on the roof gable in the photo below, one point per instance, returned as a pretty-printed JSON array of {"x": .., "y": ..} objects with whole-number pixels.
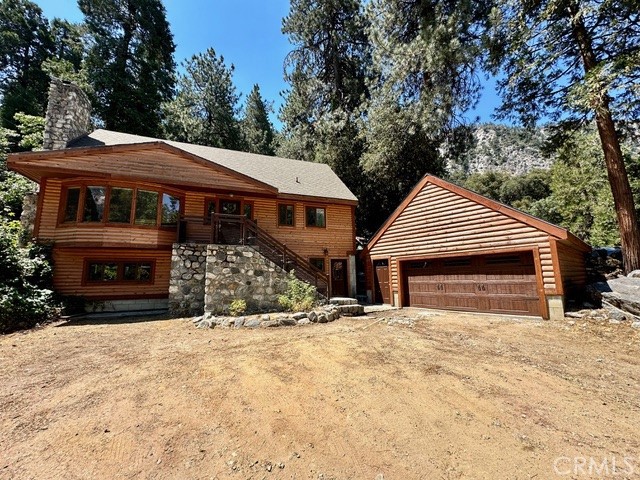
[
  {"x": 509, "y": 212},
  {"x": 287, "y": 176}
]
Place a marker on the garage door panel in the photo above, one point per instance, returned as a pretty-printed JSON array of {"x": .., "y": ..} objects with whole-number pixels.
[{"x": 494, "y": 283}]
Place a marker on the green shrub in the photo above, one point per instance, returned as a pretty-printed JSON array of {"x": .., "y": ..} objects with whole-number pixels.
[
  {"x": 237, "y": 307},
  {"x": 25, "y": 274},
  {"x": 300, "y": 296}
]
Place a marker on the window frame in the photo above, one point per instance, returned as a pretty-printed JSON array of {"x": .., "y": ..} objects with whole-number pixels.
[
  {"x": 221, "y": 198},
  {"x": 324, "y": 263},
  {"x": 82, "y": 184},
  {"x": 314, "y": 207},
  {"x": 120, "y": 280},
  {"x": 293, "y": 215}
]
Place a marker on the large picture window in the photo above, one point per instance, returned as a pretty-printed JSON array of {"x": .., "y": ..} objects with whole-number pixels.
[
  {"x": 121, "y": 205},
  {"x": 94, "y": 198},
  {"x": 127, "y": 271},
  {"x": 316, "y": 217}
]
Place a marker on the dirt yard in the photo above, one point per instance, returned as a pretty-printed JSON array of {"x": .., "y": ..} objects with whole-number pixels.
[{"x": 418, "y": 395}]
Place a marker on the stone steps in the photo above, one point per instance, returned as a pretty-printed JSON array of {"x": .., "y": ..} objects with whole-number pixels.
[{"x": 343, "y": 301}]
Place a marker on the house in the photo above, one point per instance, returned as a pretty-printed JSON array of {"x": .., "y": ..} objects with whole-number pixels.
[
  {"x": 447, "y": 247},
  {"x": 116, "y": 207}
]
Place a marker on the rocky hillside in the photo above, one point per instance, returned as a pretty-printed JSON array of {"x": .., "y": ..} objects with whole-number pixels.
[{"x": 509, "y": 149}]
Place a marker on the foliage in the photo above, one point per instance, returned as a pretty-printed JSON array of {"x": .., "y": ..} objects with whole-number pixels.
[
  {"x": 129, "y": 63},
  {"x": 580, "y": 198},
  {"x": 25, "y": 275},
  {"x": 25, "y": 43},
  {"x": 519, "y": 191},
  {"x": 327, "y": 71},
  {"x": 68, "y": 59},
  {"x": 237, "y": 307},
  {"x": 204, "y": 109},
  {"x": 572, "y": 61},
  {"x": 13, "y": 187},
  {"x": 256, "y": 126},
  {"x": 299, "y": 297}
]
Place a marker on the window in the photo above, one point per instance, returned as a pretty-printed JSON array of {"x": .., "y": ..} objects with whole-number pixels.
[
  {"x": 230, "y": 207},
  {"x": 170, "y": 210},
  {"x": 123, "y": 271},
  {"x": 209, "y": 209},
  {"x": 248, "y": 210},
  {"x": 318, "y": 263},
  {"x": 285, "y": 215},
  {"x": 316, "y": 217},
  {"x": 120, "y": 205},
  {"x": 146, "y": 207},
  {"x": 103, "y": 272},
  {"x": 108, "y": 204},
  {"x": 71, "y": 207},
  {"x": 94, "y": 198}
]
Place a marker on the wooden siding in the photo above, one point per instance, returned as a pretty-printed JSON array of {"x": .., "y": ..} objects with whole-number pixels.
[
  {"x": 150, "y": 165},
  {"x": 69, "y": 271},
  {"x": 440, "y": 222},
  {"x": 338, "y": 236},
  {"x": 572, "y": 268}
]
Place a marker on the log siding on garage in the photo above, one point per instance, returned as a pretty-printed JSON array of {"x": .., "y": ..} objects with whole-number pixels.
[{"x": 440, "y": 221}]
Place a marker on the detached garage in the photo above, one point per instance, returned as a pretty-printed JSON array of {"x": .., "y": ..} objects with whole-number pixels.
[{"x": 447, "y": 247}]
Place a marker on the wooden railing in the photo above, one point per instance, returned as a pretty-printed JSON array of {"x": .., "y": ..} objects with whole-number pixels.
[{"x": 239, "y": 230}]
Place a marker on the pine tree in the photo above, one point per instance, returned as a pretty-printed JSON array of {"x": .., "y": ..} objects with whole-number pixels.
[
  {"x": 25, "y": 43},
  {"x": 256, "y": 126},
  {"x": 205, "y": 107},
  {"x": 130, "y": 62},
  {"x": 67, "y": 61},
  {"x": 426, "y": 55},
  {"x": 574, "y": 61},
  {"x": 327, "y": 73}
]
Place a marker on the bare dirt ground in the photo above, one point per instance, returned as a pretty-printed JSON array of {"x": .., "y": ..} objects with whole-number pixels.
[{"x": 428, "y": 395}]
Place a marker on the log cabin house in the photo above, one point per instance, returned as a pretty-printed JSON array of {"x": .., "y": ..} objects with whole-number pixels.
[
  {"x": 450, "y": 248},
  {"x": 113, "y": 205}
]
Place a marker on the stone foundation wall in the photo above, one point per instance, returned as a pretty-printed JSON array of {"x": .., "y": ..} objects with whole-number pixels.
[
  {"x": 186, "y": 284},
  {"x": 240, "y": 272}
]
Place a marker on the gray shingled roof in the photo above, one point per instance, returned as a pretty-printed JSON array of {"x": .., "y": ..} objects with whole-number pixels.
[{"x": 289, "y": 176}]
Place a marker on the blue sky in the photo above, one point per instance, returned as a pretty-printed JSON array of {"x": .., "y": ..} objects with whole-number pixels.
[{"x": 247, "y": 33}]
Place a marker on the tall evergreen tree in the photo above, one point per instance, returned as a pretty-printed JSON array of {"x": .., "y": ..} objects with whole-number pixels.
[
  {"x": 575, "y": 60},
  {"x": 130, "y": 62},
  {"x": 327, "y": 73},
  {"x": 68, "y": 59},
  {"x": 256, "y": 126},
  {"x": 205, "y": 107},
  {"x": 25, "y": 43},
  {"x": 423, "y": 77}
]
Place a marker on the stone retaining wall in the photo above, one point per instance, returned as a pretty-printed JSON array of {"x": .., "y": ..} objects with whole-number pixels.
[
  {"x": 240, "y": 272},
  {"x": 186, "y": 283},
  {"x": 207, "y": 278}
]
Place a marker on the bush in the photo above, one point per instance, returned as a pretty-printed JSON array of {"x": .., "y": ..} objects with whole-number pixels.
[
  {"x": 237, "y": 307},
  {"x": 300, "y": 296},
  {"x": 24, "y": 275}
]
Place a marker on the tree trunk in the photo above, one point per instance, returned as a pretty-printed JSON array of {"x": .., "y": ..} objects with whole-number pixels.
[{"x": 616, "y": 170}]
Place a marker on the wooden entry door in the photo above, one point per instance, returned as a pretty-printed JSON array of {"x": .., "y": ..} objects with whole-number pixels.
[
  {"x": 382, "y": 284},
  {"x": 339, "y": 278},
  {"x": 503, "y": 283}
]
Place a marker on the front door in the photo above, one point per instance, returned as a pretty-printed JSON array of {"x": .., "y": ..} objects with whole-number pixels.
[
  {"x": 383, "y": 293},
  {"x": 338, "y": 278}
]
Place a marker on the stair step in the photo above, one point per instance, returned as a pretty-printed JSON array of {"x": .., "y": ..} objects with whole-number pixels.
[
  {"x": 350, "y": 310},
  {"x": 343, "y": 301}
]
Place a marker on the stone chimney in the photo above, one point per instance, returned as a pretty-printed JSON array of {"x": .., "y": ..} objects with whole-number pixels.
[{"x": 68, "y": 114}]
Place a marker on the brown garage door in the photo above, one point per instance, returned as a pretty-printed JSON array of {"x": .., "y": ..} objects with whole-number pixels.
[{"x": 483, "y": 283}]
